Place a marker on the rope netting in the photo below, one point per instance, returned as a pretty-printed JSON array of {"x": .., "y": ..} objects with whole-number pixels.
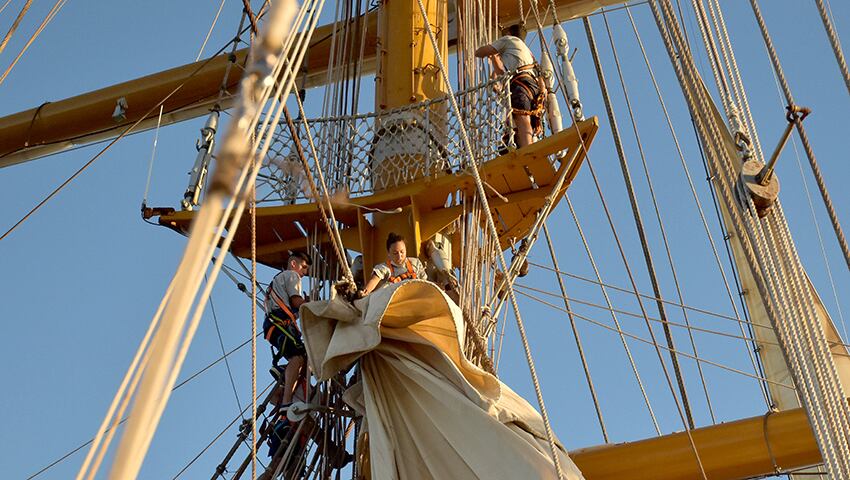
[{"x": 365, "y": 153}]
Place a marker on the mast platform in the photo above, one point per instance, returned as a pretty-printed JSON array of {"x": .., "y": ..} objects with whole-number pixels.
[{"x": 517, "y": 180}]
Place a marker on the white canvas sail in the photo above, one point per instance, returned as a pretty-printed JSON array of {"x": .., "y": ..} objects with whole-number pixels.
[{"x": 430, "y": 413}]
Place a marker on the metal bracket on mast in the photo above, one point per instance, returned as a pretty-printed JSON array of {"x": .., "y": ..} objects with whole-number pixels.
[{"x": 202, "y": 162}]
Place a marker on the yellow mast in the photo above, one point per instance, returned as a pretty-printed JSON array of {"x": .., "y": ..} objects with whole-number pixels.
[{"x": 404, "y": 77}]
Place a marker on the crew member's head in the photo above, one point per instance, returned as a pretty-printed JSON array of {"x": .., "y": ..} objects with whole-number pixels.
[
  {"x": 299, "y": 262},
  {"x": 396, "y": 249},
  {"x": 516, "y": 30}
]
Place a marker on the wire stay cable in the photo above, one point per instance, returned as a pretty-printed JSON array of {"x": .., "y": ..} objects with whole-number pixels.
[
  {"x": 15, "y": 24},
  {"x": 50, "y": 15},
  {"x": 121, "y": 422}
]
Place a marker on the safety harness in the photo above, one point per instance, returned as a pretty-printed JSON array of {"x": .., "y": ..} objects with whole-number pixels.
[
  {"x": 277, "y": 321},
  {"x": 538, "y": 101},
  {"x": 410, "y": 273}
]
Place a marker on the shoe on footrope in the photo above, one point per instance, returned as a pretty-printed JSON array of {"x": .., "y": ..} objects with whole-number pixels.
[{"x": 277, "y": 372}]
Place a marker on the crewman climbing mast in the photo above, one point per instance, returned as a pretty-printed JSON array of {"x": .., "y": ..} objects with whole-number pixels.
[
  {"x": 283, "y": 299},
  {"x": 527, "y": 88}
]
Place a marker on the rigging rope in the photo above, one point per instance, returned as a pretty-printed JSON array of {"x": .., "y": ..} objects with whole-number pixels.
[
  {"x": 220, "y": 434},
  {"x": 614, "y": 318},
  {"x": 182, "y": 383},
  {"x": 14, "y": 24},
  {"x": 684, "y": 407},
  {"x": 221, "y": 344},
  {"x": 153, "y": 156},
  {"x": 52, "y": 13},
  {"x": 833, "y": 40},
  {"x": 570, "y": 101},
  {"x": 209, "y": 32},
  {"x": 649, "y": 297},
  {"x": 326, "y": 210},
  {"x": 655, "y": 344},
  {"x": 622, "y": 254},
  {"x": 826, "y": 262},
  {"x": 772, "y": 256},
  {"x": 804, "y": 138},
  {"x": 662, "y": 229},
  {"x": 656, "y": 320},
  {"x": 576, "y": 335},
  {"x": 150, "y": 403},
  {"x": 253, "y": 214},
  {"x": 697, "y": 202},
  {"x": 120, "y": 136}
]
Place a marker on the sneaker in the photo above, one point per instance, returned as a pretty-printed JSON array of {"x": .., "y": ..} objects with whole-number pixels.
[{"x": 278, "y": 372}]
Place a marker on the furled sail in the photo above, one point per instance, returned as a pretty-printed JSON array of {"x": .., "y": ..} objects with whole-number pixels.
[{"x": 430, "y": 413}]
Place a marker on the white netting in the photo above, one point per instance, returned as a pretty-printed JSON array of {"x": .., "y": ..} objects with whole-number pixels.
[{"x": 364, "y": 153}]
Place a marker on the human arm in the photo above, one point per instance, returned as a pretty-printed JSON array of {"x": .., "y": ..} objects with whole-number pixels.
[
  {"x": 296, "y": 301},
  {"x": 370, "y": 286}
]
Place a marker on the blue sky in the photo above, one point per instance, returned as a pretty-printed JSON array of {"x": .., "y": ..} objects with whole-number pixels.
[{"x": 81, "y": 279}]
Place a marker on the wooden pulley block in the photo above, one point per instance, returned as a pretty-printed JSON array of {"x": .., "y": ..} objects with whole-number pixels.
[{"x": 764, "y": 193}]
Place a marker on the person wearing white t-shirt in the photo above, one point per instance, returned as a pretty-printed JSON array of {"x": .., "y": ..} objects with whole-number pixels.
[
  {"x": 280, "y": 328},
  {"x": 398, "y": 267},
  {"x": 510, "y": 54}
]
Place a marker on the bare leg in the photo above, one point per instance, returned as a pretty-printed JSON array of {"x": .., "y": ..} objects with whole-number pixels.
[
  {"x": 523, "y": 130},
  {"x": 293, "y": 370}
]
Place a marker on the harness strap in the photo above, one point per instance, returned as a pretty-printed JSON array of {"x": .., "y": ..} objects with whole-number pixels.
[
  {"x": 280, "y": 303},
  {"x": 410, "y": 273},
  {"x": 280, "y": 323}
]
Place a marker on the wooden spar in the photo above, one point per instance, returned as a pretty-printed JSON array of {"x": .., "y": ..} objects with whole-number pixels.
[
  {"x": 736, "y": 450},
  {"x": 57, "y": 126}
]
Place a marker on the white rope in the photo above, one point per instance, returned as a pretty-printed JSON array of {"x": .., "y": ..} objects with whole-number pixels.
[
  {"x": 209, "y": 32},
  {"x": 576, "y": 335},
  {"x": 614, "y": 318},
  {"x": 659, "y": 219},
  {"x": 696, "y": 199},
  {"x": 15, "y": 24},
  {"x": 681, "y": 405},
  {"x": 323, "y": 201},
  {"x": 52, "y": 13},
  {"x": 253, "y": 215},
  {"x": 5, "y": 5},
  {"x": 149, "y": 403},
  {"x": 153, "y": 155},
  {"x": 835, "y": 42},
  {"x": 815, "y": 223},
  {"x": 655, "y": 344},
  {"x": 773, "y": 258},
  {"x": 804, "y": 139}
]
